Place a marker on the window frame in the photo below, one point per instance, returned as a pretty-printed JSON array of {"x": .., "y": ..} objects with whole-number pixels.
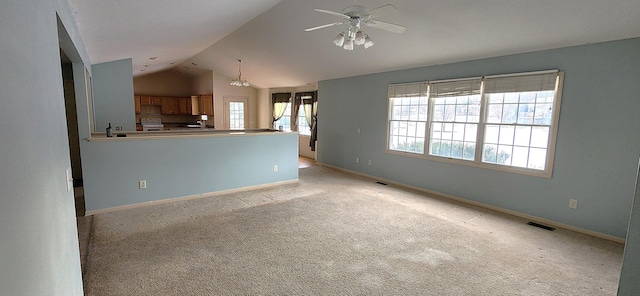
[{"x": 483, "y": 122}]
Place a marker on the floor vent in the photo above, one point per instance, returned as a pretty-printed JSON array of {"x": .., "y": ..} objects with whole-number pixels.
[
  {"x": 541, "y": 226},
  {"x": 381, "y": 183}
]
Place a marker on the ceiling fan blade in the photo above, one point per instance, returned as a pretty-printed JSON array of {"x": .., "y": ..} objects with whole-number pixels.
[
  {"x": 382, "y": 10},
  {"x": 323, "y": 26},
  {"x": 386, "y": 26},
  {"x": 344, "y": 16}
]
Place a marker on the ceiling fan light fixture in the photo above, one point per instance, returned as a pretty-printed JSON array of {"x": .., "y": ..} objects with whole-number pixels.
[
  {"x": 339, "y": 40},
  {"x": 359, "y": 39}
]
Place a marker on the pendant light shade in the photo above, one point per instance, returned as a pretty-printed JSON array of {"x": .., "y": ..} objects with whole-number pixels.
[
  {"x": 339, "y": 40},
  {"x": 368, "y": 42},
  {"x": 359, "y": 39}
]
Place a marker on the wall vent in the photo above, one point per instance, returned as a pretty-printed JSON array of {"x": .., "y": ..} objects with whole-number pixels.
[{"x": 541, "y": 226}]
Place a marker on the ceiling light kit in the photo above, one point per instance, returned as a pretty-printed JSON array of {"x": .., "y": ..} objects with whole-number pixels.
[
  {"x": 356, "y": 16},
  {"x": 239, "y": 81}
]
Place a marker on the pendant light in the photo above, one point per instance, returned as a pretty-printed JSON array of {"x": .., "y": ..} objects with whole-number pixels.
[{"x": 239, "y": 81}]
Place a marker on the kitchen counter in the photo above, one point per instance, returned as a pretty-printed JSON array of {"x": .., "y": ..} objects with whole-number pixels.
[{"x": 181, "y": 133}]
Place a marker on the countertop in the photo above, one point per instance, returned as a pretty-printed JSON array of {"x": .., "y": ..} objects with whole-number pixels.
[{"x": 181, "y": 133}]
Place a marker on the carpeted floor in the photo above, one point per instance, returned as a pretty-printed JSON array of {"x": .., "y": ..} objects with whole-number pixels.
[{"x": 336, "y": 233}]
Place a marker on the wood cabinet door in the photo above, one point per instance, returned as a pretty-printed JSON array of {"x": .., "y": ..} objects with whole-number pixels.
[
  {"x": 206, "y": 104},
  {"x": 169, "y": 106},
  {"x": 145, "y": 100},
  {"x": 156, "y": 101},
  {"x": 136, "y": 103},
  {"x": 182, "y": 106}
]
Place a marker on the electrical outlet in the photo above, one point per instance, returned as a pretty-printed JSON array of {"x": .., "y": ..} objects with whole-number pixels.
[
  {"x": 573, "y": 203},
  {"x": 357, "y": 160},
  {"x": 275, "y": 168},
  {"x": 357, "y": 130},
  {"x": 118, "y": 127},
  {"x": 142, "y": 184},
  {"x": 369, "y": 162}
]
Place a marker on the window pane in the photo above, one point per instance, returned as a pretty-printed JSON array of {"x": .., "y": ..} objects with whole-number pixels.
[
  {"x": 519, "y": 158},
  {"x": 458, "y": 131},
  {"x": 506, "y": 135},
  {"x": 509, "y": 113},
  {"x": 489, "y": 153},
  {"x": 495, "y": 113},
  {"x": 504, "y": 154},
  {"x": 471, "y": 131},
  {"x": 469, "y": 151},
  {"x": 438, "y": 112},
  {"x": 491, "y": 133},
  {"x": 537, "y": 158},
  {"x": 523, "y": 135},
  {"x": 539, "y": 136}
]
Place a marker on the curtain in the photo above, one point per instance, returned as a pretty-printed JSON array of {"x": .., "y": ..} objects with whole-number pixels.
[
  {"x": 280, "y": 101},
  {"x": 305, "y": 99},
  {"x": 312, "y": 119}
]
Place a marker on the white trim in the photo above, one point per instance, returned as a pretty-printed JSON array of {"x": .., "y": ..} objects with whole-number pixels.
[
  {"x": 189, "y": 197},
  {"x": 487, "y": 206}
]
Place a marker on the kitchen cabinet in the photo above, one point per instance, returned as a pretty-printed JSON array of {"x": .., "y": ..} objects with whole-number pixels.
[
  {"x": 149, "y": 100},
  {"x": 136, "y": 103},
  {"x": 206, "y": 104},
  {"x": 169, "y": 106},
  {"x": 182, "y": 106},
  {"x": 188, "y": 106}
]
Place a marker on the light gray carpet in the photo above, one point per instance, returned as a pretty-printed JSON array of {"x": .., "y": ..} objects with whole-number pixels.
[{"x": 336, "y": 233}]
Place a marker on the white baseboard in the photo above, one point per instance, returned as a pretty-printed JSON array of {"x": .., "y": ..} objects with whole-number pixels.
[
  {"x": 189, "y": 197},
  {"x": 486, "y": 206}
]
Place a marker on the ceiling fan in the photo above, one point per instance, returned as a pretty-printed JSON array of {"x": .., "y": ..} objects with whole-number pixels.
[{"x": 356, "y": 16}]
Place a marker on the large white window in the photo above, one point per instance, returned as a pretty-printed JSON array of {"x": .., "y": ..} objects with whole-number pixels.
[{"x": 505, "y": 122}]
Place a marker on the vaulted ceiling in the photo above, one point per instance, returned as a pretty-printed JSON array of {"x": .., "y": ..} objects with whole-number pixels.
[{"x": 191, "y": 36}]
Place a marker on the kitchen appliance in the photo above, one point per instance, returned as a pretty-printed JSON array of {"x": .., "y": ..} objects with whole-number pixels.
[{"x": 150, "y": 124}]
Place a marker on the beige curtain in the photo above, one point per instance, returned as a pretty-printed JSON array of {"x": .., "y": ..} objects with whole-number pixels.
[{"x": 280, "y": 101}]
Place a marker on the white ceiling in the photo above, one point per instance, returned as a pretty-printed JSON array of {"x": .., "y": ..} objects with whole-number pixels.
[{"x": 269, "y": 36}]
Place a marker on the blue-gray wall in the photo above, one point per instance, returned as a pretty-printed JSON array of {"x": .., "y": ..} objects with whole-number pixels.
[
  {"x": 596, "y": 153},
  {"x": 183, "y": 167},
  {"x": 38, "y": 238},
  {"x": 113, "y": 95}
]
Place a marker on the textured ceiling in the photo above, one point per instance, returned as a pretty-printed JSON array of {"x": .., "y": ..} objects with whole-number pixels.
[{"x": 269, "y": 36}]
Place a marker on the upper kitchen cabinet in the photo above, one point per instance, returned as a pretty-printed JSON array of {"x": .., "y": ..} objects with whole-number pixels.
[
  {"x": 188, "y": 106},
  {"x": 150, "y": 101},
  {"x": 170, "y": 106},
  {"x": 136, "y": 103},
  {"x": 206, "y": 104}
]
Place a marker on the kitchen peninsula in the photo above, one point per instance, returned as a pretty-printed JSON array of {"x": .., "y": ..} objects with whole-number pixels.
[{"x": 176, "y": 165}]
